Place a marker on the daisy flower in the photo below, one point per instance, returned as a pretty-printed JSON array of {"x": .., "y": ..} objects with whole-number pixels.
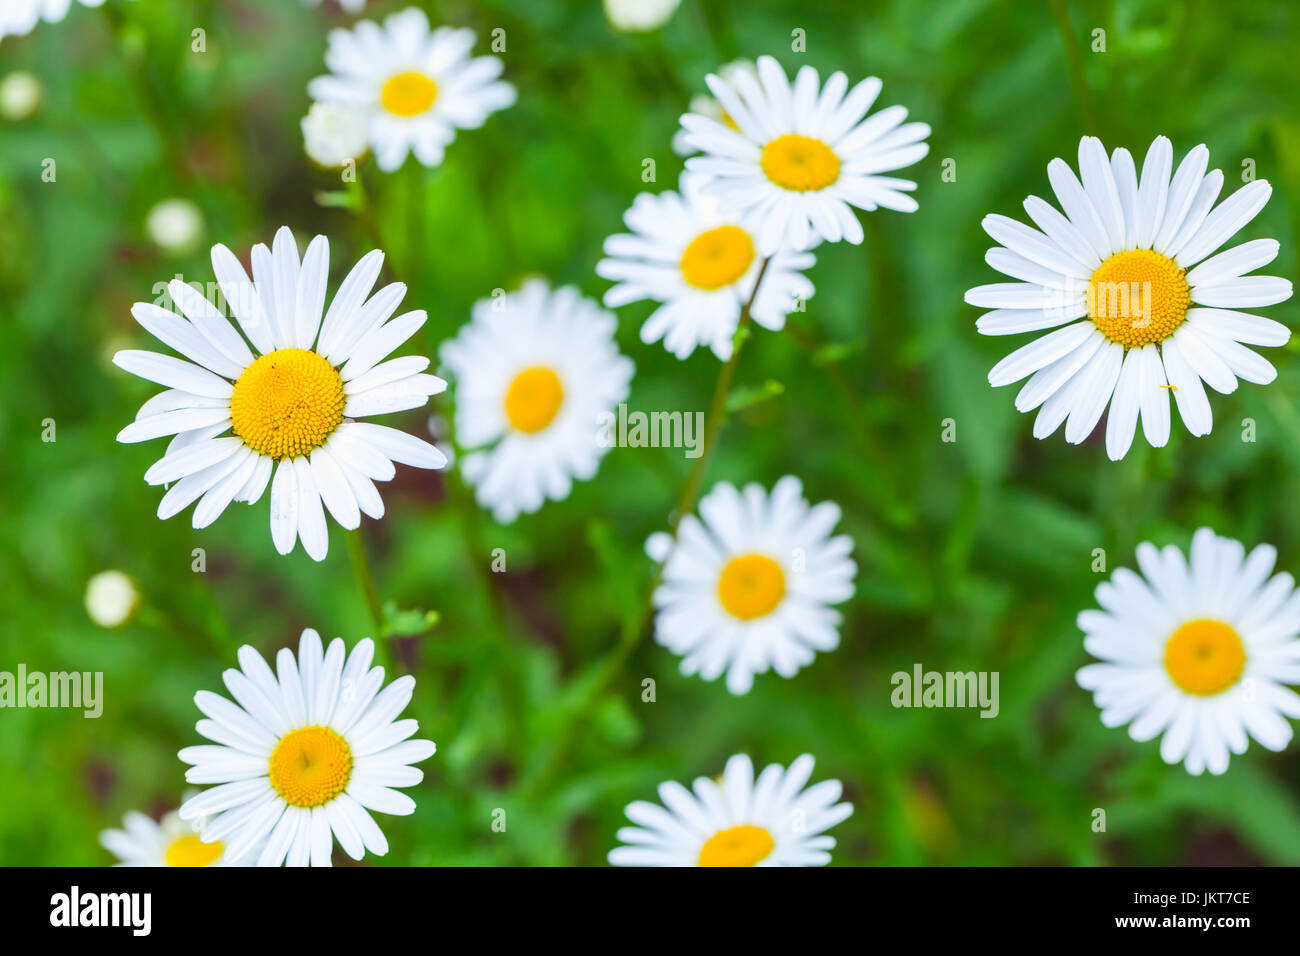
[
  {"x": 750, "y": 587},
  {"x": 18, "y": 17},
  {"x": 1137, "y": 308},
  {"x": 291, "y": 404},
  {"x": 737, "y": 820},
  {"x": 173, "y": 842},
  {"x": 1197, "y": 649},
  {"x": 534, "y": 370},
  {"x": 303, "y": 755},
  {"x": 416, "y": 86},
  {"x": 802, "y": 155},
  {"x": 335, "y": 134},
  {"x": 639, "y": 16},
  {"x": 711, "y": 108},
  {"x": 703, "y": 268}
]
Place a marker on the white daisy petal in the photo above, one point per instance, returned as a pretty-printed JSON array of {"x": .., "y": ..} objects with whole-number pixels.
[
  {"x": 1199, "y": 674},
  {"x": 303, "y": 773},
  {"x": 771, "y": 822}
]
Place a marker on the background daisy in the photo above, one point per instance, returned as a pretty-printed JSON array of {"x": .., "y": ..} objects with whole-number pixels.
[
  {"x": 18, "y": 17},
  {"x": 348, "y": 6},
  {"x": 703, "y": 105},
  {"x": 292, "y": 406},
  {"x": 702, "y": 267},
  {"x": 417, "y": 86},
  {"x": 750, "y": 587},
  {"x": 736, "y": 821},
  {"x": 1198, "y": 650},
  {"x": 172, "y": 842},
  {"x": 801, "y": 155},
  {"x": 534, "y": 369},
  {"x": 1135, "y": 317},
  {"x": 304, "y": 755}
]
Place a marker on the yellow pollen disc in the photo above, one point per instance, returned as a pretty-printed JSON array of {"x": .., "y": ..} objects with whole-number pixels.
[
  {"x": 1137, "y": 297},
  {"x": 287, "y": 403},
  {"x": 728, "y": 122},
  {"x": 751, "y": 586},
  {"x": 310, "y": 766},
  {"x": 1205, "y": 657},
  {"x": 534, "y": 399},
  {"x": 191, "y": 851},
  {"x": 744, "y": 845},
  {"x": 408, "y": 94},
  {"x": 800, "y": 163},
  {"x": 717, "y": 258}
]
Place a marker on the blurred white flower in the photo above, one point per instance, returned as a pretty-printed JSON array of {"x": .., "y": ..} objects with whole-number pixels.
[
  {"x": 708, "y": 106},
  {"x": 639, "y": 16},
  {"x": 169, "y": 842},
  {"x": 175, "y": 226},
  {"x": 19, "y": 17},
  {"x": 349, "y": 6},
  {"x": 535, "y": 370},
  {"x": 111, "y": 596},
  {"x": 334, "y": 134},
  {"x": 20, "y": 95}
]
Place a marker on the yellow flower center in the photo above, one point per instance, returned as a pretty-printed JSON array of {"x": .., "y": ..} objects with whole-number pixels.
[
  {"x": 751, "y": 586},
  {"x": 800, "y": 163},
  {"x": 1205, "y": 657},
  {"x": 287, "y": 403},
  {"x": 534, "y": 399},
  {"x": 408, "y": 94},
  {"x": 189, "y": 850},
  {"x": 717, "y": 258},
  {"x": 744, "y": 845},
  {"x": 1137, "y": 297},
  {"x": 728, "y": 122},
  {"x": 310, "y": 766}
]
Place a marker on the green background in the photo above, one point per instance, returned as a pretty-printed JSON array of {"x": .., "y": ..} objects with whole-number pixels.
[{"x": 975, "y": 554}]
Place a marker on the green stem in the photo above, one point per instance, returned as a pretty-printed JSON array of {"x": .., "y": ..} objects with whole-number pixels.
[
  {"x": 1074, "y": 61},
  {"x": 634, "y": 626},
  {"x": 717, "y": 410}
]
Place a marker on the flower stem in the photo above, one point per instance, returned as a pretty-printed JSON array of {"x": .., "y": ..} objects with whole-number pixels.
[
  {"x": 1078, "y": 81},
  {"x": 634, "y": 626}
]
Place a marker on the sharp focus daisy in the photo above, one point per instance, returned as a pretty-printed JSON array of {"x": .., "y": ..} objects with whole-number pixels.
[
  {"x": 736, "y": 820},
  {"x": 702, "y": 267},
  {"x": 750, "y": 587},
  {"x": 711, "y": 108},
  {"x": 1197, "y": 649},
  {"x": 802, "y": 154},
  {"x": 290, "y": 402},
  {"x": 535, "y": 370},
  {"x": 171, "y": 842},
  {"x": 19, "y": 17},
  {"x": 416, "y": 85},
  {"x": 304, "y": 755},
  {"x": 1139, "y": 307}
]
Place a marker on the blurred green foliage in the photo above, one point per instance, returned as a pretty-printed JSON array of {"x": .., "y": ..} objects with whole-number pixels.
[{"x": 973, "y": 555}]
